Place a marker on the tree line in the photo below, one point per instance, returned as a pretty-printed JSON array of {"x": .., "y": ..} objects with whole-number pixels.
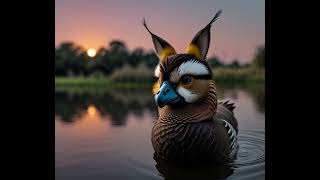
[{"x": 72, "y": 60}]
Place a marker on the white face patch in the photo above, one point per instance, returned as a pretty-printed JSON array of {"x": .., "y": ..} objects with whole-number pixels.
[
  {"x": 188, "y": 95},
  {"x": 191, "y": 67},
  {"x": 157, "y": 71}
]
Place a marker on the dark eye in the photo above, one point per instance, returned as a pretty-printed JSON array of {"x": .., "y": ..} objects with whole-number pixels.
[{"x": 186, "y": 79}]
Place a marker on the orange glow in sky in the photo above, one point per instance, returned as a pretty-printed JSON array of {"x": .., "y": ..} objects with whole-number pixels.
[{"x": 94, "y": 23}]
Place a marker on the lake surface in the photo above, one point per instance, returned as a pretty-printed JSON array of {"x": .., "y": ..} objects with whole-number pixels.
[{"x": 106, "y": 134}]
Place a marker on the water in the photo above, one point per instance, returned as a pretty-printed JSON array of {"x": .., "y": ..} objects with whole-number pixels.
[{"x": 106, "y": 134}]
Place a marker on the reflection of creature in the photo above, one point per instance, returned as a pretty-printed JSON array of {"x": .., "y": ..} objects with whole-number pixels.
[
  {"x": 204, "y": 171},
  {"x": 192, "y": 125}
]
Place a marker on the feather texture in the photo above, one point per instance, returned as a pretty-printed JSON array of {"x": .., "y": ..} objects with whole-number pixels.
[{"x": 196, "y": 131}]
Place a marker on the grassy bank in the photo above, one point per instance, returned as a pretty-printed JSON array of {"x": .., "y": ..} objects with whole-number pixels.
[
  {"x": 240, "y": 75},
  {"x": 81, "y": 81},
  {"x": 87, "y": 82},
  {"x": 130, "y": 80}
]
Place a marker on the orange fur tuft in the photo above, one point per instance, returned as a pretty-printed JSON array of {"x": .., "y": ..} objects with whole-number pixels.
[
  {"x": 155, "y": 88},
  {"x": 167, "y": 51},
  {"x": 194, "y": 50}
]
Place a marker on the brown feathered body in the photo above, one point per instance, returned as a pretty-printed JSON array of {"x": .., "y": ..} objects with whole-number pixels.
[{"x": 195, "y": 131}]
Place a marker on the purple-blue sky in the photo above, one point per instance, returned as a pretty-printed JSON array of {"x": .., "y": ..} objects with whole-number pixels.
[{"x": 94, "y": 23}]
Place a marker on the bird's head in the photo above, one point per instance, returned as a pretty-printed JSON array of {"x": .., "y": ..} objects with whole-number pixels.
[{"x": 182, "y": 78}]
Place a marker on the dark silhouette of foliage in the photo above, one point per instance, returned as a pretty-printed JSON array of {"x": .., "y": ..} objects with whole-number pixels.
[
  {"x": 259, "y": 58},
  {"x": 235, "y": 64},
  {"x": 215, "y": 62},
  {"x": 72, "y": 60}
]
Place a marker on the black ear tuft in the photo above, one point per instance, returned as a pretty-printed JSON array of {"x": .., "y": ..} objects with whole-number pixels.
[
  {"x": 162, "y": 47},
  {"x": 199, "y": 45}
]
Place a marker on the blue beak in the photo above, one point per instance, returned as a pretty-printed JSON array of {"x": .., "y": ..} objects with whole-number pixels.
[{"x": 166, "y": 95}]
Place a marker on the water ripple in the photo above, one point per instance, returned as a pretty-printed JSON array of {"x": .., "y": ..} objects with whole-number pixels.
[
  {"x": 251, "y": 149},
  {"x": 250, "y": 161}
]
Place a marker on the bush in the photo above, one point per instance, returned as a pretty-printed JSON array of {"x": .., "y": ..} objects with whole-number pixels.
[
  {"x": 97, "y": 74},
  {"x": 129, "y": 74}
]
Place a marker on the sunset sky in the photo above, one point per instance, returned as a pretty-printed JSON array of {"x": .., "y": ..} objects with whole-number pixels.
[{"x": 94, "y": 23}]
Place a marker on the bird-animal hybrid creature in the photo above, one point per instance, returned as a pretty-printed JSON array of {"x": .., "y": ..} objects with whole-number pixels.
[{"x": 192, "y": 125}]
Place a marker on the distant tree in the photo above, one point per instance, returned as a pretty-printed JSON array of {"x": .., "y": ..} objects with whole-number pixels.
[
  {"x": 101, "y": 52},
  {"x": 259, "y": 58},
  {"x": 246, "y": 65},
  {"x": 59, "y": 65},
  {"x": 136, "y": 57},
  {"x": 117, "y": 54},
  {"x": 103, "y": 64},
  {"x": 151, "y": 59},
  {"x": 117, "y": 46},
  {"x": 65, "y": 58},
  {"x": 138, "y": 52},
  {"x": 82, "y": 64},
  {"x": 215, "y": 62},
  {"x": 235, "y": 64}
]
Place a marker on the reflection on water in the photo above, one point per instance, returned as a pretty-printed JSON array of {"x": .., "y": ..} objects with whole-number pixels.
[
  {"x": 106, "y": 135},
  {"x": 92, "y": 110},
  {"x": 117, "y": 104}
]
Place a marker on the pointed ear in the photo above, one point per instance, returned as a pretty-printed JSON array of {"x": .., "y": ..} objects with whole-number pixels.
[
  {"x": 199, "y": 45},
  {"x": 162, "y": 47}
]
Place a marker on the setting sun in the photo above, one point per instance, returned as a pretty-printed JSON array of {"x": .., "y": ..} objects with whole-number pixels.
[{"x": 91, "y": 52}]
